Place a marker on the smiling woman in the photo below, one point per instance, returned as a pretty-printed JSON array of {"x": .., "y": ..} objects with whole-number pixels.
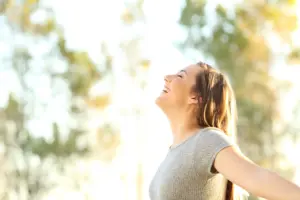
[
  {"x": 203, "y": 162},
  {"x": 166, "y": 89}
]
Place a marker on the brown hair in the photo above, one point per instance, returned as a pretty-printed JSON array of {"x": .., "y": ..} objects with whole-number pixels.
[{"x": 216, "y": 105}]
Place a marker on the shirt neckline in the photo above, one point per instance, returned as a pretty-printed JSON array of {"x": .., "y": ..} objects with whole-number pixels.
[{"x": 172, "y": 147}]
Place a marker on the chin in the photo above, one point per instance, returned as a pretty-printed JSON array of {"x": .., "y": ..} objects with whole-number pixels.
[
  {"x": 158, "y": 101},
  {"x": 161, "y": 102}
]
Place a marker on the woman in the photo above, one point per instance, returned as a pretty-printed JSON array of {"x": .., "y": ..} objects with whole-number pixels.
[{"x": 203, "y": 161}]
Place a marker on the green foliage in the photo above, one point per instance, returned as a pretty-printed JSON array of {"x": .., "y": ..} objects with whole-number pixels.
[
  {"x": 294, "y": 56},
  {"x": 82, "y": 72},
  {"x": 56, "y": 147}
]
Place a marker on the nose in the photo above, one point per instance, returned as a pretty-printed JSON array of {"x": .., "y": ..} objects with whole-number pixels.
[{"x": 168, "y": 78}]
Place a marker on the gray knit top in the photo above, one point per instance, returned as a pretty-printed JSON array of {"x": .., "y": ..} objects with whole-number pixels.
[{"x": 187, "y": 172}]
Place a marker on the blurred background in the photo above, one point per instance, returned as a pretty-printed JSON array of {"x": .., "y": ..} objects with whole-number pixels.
[{"x": 78, "y": 80}]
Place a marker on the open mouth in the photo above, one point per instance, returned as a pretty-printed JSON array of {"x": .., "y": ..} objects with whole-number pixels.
[{"x": 166, "y": 90}]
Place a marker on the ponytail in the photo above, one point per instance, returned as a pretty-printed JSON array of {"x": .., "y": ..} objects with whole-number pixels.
[{"x": 229, "y": 191}]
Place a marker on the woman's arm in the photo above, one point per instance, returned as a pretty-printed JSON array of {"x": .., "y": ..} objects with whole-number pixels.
[{"x": 256, "y": 180}]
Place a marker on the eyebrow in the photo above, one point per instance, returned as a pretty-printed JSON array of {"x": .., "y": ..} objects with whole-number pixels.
[{"x": 183, "y": 71}]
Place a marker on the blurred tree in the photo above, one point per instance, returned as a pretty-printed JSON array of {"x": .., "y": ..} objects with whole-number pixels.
[
  {"x": 24, "y": 180},
  {"x": 80, "y": 74},
  {"x": 21, "y": 147},
  {"x": 239, "y": 41},
  {"x": 136, "y": 66}
]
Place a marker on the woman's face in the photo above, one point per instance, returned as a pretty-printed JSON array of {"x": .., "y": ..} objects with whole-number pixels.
[{"x": 177, "y": 90}]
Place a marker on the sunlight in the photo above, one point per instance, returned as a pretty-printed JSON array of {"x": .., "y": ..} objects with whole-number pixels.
[{"x": 119, "y": 50}]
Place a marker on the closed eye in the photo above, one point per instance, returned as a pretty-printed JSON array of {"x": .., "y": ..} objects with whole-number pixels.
[{"x": 179, "y": 75}]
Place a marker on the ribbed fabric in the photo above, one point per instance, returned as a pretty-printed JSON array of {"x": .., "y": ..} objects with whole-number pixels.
[{"x": 187, "y": 171}]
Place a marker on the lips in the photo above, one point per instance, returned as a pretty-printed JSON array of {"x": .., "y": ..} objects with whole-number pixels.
[{"x": 166, "y": 89}]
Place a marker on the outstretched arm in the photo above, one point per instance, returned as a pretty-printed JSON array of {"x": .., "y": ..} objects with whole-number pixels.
[{"x": 256, "y": 180}]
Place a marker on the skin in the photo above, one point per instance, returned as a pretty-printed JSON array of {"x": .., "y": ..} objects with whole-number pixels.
[{"x": 178, "y": 104}]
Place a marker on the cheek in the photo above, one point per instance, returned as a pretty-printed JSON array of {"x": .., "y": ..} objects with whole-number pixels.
[
  {"x": 180, "y": 86},
  {"x": 179, "y": 91},
  {"x": 177, "y": 84}
]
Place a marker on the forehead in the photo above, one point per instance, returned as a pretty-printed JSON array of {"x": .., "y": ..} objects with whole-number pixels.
[{"x": 192, "y": 70}]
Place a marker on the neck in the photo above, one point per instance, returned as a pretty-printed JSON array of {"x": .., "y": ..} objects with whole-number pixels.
[{"x": 182, "y": 126}]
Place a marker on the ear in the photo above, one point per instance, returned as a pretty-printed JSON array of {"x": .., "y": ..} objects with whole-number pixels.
[{"x": 194, "y": 100}]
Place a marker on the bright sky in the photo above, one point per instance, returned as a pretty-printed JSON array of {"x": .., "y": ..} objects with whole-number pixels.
[{"x": 91, "y": 22}]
